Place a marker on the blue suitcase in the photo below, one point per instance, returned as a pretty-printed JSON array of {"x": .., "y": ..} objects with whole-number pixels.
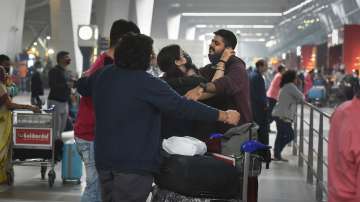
[
  {"x": 71, "y": 163},
  {"x": 317, "y": 93}
]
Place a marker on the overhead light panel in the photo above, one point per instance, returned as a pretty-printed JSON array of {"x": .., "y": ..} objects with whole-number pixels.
[
  {"x": 236, "y": 26},
  {"x": 232, "y": 14},
  {"x": 297, "y": 7},
  {"x": 253, "y": 39},
  {"x": 201, "y": 26},
  {"x": 251, "y": 26}
]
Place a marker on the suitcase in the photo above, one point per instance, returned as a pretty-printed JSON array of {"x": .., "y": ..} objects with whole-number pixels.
[
  {"x": 71, "y": 163},
  {"x": 163, "y": 195},
  {"x": 317, "y": 93},
  {"x": 198, "y": 176}
]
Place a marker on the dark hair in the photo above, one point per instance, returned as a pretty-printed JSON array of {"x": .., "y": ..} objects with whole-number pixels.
[
  {"x": 121, "y": 27},
  {"x": 356, "y": 71},
  {"x": 192, "y": 67},
  {"x": 61, "y": 55},
  {"x": 2, "y": 74},
  {"x": 188, "y": 59},
  {"x": 260, "y": 63},
  {"x": 288, "y": 77},
  {"x": 166, "y": 61},
  {"x": 229, "y": 37},
  {"x": 4, "y": 58},
  {"x": 133, "y": 52},
  {"x": 281, "y": 68},
  {"x": 189, "y": 65}
]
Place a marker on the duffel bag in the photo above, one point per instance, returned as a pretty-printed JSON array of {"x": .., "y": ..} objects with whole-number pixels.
[
  {"x": 235, "y": 137},
  {"x": 198, "y": 176}
]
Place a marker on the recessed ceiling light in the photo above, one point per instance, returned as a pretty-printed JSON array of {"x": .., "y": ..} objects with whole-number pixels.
[{"x": 175, "y": 5}]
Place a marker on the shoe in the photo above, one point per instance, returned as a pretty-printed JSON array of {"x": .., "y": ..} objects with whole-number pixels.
[
  {"x": 276, "y": 159},
  {"x": 284, "y": 160},
  {"x": 280, "y": 159}
]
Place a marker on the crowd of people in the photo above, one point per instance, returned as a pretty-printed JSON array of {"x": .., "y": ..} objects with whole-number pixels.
[{"x": 125, "y": 111}]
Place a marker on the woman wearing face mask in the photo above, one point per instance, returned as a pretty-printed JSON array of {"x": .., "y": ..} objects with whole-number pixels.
[
  {"x": 5, "y": 123},
  {"x": 172, "y": 62}
]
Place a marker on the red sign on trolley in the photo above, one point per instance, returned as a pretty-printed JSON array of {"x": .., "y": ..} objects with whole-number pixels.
[{"x": 32, "y": 136}]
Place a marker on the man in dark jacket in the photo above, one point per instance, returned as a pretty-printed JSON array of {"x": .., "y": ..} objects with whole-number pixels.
[
  {"x": 232, "y": 91},
  {"x": 37, "y": 88},
  {"x": 59, "y": 91},
  {"x": 259, "y": 105},
  {"x": 128, "y": 103},
  {"x": 259, "y": 101}
]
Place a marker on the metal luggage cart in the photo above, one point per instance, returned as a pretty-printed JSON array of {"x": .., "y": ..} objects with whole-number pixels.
[
  {"x": 247, "y": 163},
  {"x": 33, "y": 143}
]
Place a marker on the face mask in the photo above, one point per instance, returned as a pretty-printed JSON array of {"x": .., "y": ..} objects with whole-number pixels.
[{"x": 214, "y": 58}]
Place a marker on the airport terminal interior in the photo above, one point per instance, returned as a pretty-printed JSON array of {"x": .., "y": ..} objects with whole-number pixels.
[{"x": 280, "y": 74}]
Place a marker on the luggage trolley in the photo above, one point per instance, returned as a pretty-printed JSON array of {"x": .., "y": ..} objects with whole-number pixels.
[
  {"x": 248, "y": 164},
  {"x": 33, "y": 142}
]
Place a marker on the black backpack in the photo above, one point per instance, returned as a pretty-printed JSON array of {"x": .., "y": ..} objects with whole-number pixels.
[{"x": 199, "y": 176}]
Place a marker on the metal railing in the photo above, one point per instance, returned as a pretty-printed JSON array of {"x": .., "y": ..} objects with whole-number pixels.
[{"x": 306, "y": 132}]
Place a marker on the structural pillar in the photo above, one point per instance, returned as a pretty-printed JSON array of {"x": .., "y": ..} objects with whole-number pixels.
[
  {"x": 144, "y": 14},
  {"x": 12, "y": 23},
  {"x": 190, "y": 33},
  {"x": 66, "y": 16},
  {"x": 173, "y": 26},
  {"x": 159, "y": 19},
  {"x": 107, "y": 11}
]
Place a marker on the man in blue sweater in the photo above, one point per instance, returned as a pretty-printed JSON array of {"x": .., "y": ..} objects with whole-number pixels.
[{"x": 128, "y": 104}]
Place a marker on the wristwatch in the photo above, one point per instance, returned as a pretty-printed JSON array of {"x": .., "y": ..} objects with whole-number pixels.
[{"x": 203, "y": 86}]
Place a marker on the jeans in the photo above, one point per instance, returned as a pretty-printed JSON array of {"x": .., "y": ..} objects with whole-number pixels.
[
  {"x": 285, "y": 134},
  {"x": 124, "y": 187},
  {"x": 92, "y": 192}
]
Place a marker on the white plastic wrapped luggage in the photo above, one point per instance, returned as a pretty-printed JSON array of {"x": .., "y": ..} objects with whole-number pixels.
[{"x": 187, "y": 146}]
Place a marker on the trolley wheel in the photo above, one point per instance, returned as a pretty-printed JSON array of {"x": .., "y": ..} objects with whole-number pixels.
[
  {"x": 51, "y": 178},
  {"x": 10, "y": 177},
  {"x": 43, "y": 172}
]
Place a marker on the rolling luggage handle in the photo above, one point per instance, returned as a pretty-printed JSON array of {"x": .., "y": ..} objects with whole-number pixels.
[
  {"x": 236, "y": 136},
  {"x": 248, "y": 147}
]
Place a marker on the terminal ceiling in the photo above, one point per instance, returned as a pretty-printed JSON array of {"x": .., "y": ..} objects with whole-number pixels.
[{"x": 309, "y": 24}]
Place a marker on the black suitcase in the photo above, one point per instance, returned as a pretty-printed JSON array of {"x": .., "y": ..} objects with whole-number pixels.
[
  {"x": 163, "y": 195},
  {"x": 199, "y": 176}
]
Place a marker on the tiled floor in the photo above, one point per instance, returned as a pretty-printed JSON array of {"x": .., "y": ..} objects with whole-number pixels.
[{"x": 285, "y": 182}]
